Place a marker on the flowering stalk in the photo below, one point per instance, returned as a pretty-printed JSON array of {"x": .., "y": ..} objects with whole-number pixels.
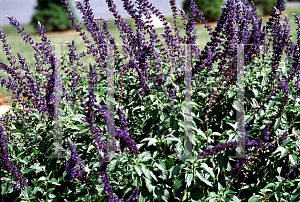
[
  {"x": 74, "y": 161},
  {"x": 7, "y": 163}
]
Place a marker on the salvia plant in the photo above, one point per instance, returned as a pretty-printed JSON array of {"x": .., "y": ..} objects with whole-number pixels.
[{"x": 149, "y": 102}]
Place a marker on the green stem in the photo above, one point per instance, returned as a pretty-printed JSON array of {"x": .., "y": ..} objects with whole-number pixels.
[
  {"x": 88, "y": 193},
  {"x": 241, "y": 189},
  {"x": 207, "y": 134},
  {"x": 25, "y": 195}
]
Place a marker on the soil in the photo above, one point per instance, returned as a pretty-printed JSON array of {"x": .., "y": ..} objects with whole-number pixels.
[{"x": 3, "y": 100}]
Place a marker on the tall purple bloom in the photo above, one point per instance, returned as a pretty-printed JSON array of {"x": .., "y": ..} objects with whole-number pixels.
[
  {"x": 75, "y": 167},
  {"x": 7, "y": 163}
]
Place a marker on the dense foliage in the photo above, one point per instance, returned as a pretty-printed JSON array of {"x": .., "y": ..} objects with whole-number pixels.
[
  {"x": 150, "y": 162},
  {"x": 52, "y": 15}
]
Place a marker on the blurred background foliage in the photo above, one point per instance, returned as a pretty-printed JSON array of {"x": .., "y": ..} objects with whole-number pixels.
[{"x": 52, "y": 15}]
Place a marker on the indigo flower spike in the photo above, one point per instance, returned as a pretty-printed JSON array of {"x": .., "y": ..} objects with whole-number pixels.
[
  {"x": 71, "y": 169},
  {"x": 7, "y": 163}
]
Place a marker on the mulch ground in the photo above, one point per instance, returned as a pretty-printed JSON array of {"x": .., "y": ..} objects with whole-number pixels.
[{"x": 3, "y": 100}]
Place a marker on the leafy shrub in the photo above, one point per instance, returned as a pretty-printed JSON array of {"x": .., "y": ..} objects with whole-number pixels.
[
  {"x": 151, "y": 161},
  {"x": 267, "y": 5},
  {"x": 52, "y": 15}
]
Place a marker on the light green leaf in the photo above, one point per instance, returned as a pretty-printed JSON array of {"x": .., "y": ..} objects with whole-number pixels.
[
  {"x": 202, "y": 178},
  {"x": 77, "y": 117},
  {"x": 37, "y": 168},
  {"x": 293, "y": 158},
  {"x": 208, "y": 169},
  {"x": 54, "y": 181},
  {"x": 74, "y": 127},
  {"x": 149, "y": 185},
  {"x": 138, "y": 169},
  {"x": 254, "y": 199}
]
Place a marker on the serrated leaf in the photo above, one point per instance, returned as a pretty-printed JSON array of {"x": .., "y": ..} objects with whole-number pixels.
[{"x": 166, "y": 195}]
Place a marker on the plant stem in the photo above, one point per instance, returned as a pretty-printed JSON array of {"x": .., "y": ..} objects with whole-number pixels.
[
  {"x": 241, "y": 189},
  {"x": 88, "y": 193}
]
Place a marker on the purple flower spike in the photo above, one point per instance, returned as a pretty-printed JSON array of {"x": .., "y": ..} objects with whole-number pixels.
[
  {"x": 7, "y": 163},
  {"x": 71, "y": 169}
]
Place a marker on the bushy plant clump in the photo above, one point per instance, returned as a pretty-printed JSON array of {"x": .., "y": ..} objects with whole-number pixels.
[
  {"x": 52, "y": 15},
  {"x": 150, "y": 162}
]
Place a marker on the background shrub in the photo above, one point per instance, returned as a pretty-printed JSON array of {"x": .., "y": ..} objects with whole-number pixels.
[
  {"x": 211, "y": 9},
  {"x": 267, "y": 5},
  {"x": 52, "y": 15}
]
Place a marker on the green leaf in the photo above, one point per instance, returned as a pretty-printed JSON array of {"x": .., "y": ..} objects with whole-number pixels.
[
  {"x": 37, "y": 115},
  {"x": 146, "y": 171},
  {"x": 138, "y": 169},
  {"x": 54, "y": 181},
  {"x": 166, "y": 123},
  {"x": 278, "y": 120},
  {"x": 189, "y": 179},
  {"x": 37, "y": 168},
  {"x": 175, "y": 170},
  {"x": 234, "y": 198},
  {"x": 77, "y": 117},
  {"x": 171, "y": 139},
  {"x": 255, "y": 92},
  {"x": 202, "y": 178},
  {"x": 145, "y": 156},
  {"x": 280, "y": 149},
  {"x": 151, "y": 141},
  {"x": 197, "y": 194},
  {"x": 166, "y": 195},
  {"x": 254, "y": 199},
  {"x": 153, "y": 176},
  {"x": 149, "y": 185},
  {"x": 39, "y": 126},
  {"x": 177, "y": 184},
  {"x": 33, "y": 150},
  {"x": 74, "y": 127},
  {"x": 37, "y": 189},
  {"x": 231, "y": 93},
  {"x": 238, "y": 106},
  {"x": 293, "y": 158},
  {"x": 208, "y": 169}
]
